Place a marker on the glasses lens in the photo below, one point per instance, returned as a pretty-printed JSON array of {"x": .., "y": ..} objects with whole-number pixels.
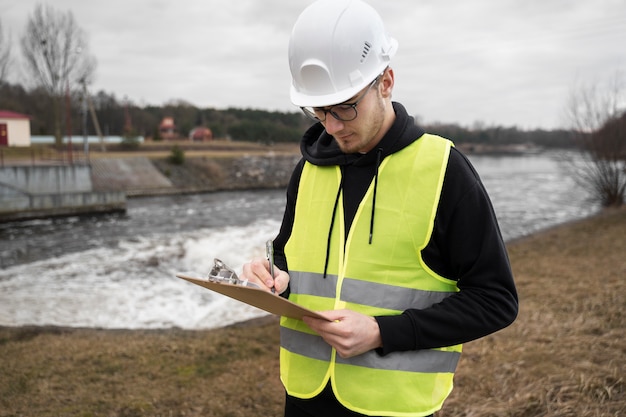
[{"x": 343, "y": 112}]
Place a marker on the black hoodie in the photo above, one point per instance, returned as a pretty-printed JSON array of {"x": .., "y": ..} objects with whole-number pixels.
[{"x": 466, "y": 244}]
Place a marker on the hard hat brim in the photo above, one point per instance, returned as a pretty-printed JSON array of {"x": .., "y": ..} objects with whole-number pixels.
[{"x": 305, "y": 100}]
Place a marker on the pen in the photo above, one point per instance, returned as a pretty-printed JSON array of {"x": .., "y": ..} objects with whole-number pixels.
[{"x": 269, "y": 251}]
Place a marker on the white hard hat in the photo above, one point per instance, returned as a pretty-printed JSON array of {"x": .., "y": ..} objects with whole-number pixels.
[{"x": 337, "y": 47}]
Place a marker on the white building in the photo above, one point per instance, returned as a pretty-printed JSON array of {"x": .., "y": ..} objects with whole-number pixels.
[{"x": 14, "y": 129}]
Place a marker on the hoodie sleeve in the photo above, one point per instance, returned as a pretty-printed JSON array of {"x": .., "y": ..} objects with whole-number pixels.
[{"x": 466, "y": 246}]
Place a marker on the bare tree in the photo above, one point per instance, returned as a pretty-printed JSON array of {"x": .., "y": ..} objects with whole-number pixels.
[
  {"x": 5, "y": 54},
  {"x": 57, "y": 56},
  {"x": 597, "y": 113}
]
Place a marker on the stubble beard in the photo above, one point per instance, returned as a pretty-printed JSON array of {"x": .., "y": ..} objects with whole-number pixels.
[{"x": 366, "y": 133}]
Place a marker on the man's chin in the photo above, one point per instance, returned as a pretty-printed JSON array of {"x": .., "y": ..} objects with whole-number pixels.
[
  {"x": 347, "y": 146},
  {"x": 347, "y": 149}
]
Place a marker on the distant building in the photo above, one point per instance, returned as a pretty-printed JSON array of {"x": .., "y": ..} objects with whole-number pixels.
[
  {"x": 200, "y": 134},
  {"x": 14, "y": 129},
  {"x": 167, "y": 129}
]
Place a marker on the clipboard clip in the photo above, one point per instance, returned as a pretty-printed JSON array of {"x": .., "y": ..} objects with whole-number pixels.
[{"x": 223, "y": 274}]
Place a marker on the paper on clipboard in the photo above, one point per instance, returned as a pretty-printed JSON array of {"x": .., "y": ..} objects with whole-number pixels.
[{"x": 272, "y": 303}]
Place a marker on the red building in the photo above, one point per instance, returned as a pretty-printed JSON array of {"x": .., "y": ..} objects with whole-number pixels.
[
  {"x": 167, "y": 129},
  {"x": 200, "y": 134},
  {"x": 14, "y": 129}
]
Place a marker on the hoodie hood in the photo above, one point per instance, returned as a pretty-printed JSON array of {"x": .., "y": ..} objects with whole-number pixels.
[{"x": 319, "y": 148}]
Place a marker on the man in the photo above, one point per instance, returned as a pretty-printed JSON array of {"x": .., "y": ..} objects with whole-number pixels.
[{"x": 387, "y": 231}]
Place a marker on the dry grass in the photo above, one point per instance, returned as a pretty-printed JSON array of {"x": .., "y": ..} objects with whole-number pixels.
[
  {"x": 566, "y": 353},
  {"x": 564, "y": 356},
  {"x": 63, "y": 372}
]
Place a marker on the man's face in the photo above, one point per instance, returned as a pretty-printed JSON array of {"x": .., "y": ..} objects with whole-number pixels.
[{"x": 364, "y": 132}]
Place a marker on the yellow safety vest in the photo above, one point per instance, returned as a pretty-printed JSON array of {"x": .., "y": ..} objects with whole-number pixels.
[{"x": 382, "y": 278}]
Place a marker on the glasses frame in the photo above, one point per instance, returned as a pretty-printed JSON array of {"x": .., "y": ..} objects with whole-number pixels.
[{"x": 310, "y": 111}]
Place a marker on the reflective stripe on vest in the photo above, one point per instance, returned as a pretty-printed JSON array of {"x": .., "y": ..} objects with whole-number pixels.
[
  {"x": 382, "y": 278},
  {"x": 427, "y": 360},
  {"x": 368, "y": 293}
]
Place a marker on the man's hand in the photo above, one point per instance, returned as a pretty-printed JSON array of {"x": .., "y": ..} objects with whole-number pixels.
[
  {"x": 258, "y": 272},
  {"x": 349, "y": 332}
]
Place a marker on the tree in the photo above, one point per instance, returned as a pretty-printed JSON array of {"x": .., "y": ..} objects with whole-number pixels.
[
  {"x": 57, "y": 56},
  {"x": 5, "y": 54},
  {"x": 598, "y": 115}
]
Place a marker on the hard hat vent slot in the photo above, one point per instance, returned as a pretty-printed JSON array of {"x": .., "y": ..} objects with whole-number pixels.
[{"x": 366, "y": 50}]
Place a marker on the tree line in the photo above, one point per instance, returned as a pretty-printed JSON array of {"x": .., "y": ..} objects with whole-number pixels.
[
  {"x": 251, "y": 125},
  {"x": 119, "y": 117}
]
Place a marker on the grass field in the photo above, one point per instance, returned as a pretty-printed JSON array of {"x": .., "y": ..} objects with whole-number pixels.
[{"x": 564, "y": 356}]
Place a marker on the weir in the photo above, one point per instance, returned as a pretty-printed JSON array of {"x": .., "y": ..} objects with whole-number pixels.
[{"x": 28, "y": 192}]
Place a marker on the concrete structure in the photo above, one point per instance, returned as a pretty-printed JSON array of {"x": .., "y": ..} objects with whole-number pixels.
[
  {"x": 28, "y": 192},
  {"x": 14, "y": 129},
  {"x": 136, "y": 176}
]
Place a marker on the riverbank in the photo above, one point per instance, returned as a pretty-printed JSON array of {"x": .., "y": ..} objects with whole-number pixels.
[
  {"x": 564, "y": 356},
  {"x": 218, "y": 165},
  {"x": 106, "y": 179},
  {"x": 198, "y": 167}
]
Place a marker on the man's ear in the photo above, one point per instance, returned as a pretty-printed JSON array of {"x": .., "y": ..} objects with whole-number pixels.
[{"x": 387, "y": 82}]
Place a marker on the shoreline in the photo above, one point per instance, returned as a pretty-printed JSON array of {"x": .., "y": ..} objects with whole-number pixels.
[
  {"x": 49, "y": 328},
  {"x": 56, "y": 329},
  {"x": 603, "y": 212},
  {"x": 28, "y": 330},
  {"x": 106, "y": 183}
]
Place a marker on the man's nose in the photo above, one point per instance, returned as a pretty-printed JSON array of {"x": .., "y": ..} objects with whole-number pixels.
[{"x": 332, "y": 125}]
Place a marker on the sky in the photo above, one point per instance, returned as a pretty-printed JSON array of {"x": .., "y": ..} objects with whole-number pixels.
[{"x": 505, "y": 62}]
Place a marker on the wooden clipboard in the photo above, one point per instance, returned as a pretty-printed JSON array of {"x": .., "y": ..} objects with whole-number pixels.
[{"x": 272, "y": 303}]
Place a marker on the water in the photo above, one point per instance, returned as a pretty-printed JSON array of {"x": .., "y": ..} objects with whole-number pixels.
[
  {"x": 118, "y": 271},
  {"x": 530, "y": 193}
]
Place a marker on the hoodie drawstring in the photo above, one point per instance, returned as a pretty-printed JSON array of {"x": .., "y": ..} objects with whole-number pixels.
[
  {"x": 332, "y": 220},
  {"x": 378, "y": 156},
  {"x": 332, "y": 224}
]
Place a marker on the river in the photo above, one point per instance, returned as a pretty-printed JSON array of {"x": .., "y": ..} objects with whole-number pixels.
[{"x": 118, "y": 271}]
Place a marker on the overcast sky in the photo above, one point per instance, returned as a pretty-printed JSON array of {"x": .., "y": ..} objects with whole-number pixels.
[{"x": 499, "y": 62}]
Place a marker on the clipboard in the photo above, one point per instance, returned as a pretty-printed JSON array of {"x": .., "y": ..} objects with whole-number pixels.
[{"x": 272, "y": 303}]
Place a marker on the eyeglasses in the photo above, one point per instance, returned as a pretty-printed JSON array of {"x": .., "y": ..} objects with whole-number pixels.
[{"x": 343, "y": 112}]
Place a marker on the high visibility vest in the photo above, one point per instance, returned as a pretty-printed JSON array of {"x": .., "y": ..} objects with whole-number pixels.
[{"x": 385, "y": 277}]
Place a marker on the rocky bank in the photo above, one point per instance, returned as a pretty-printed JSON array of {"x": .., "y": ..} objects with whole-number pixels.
[{"x": 142, "y": 176}]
